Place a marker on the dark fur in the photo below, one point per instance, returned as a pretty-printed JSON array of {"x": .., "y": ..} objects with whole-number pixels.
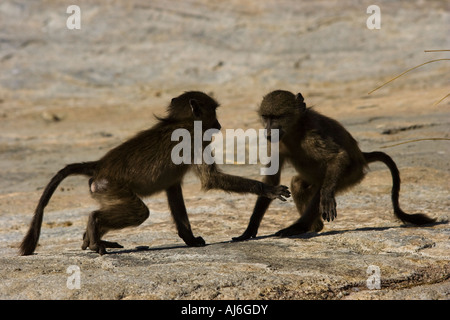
[
  {"x": 327, "y": 160},
  {"x": 141, "y": 167}
]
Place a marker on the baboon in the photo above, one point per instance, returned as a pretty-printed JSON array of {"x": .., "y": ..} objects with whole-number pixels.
[
  {"x": 327, "y": 159},
  {"x": 141, "y": 167}
]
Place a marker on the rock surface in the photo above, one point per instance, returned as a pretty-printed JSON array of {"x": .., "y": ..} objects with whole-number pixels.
[{"x": 70, "y": 95}]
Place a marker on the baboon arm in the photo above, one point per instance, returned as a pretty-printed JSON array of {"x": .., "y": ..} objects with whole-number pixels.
[
  {"x": 334, "y": 170},
  {"x": 329, "y": 157},
  {"x": 179, "y": 214},
  {"x": 178, "y": 209},
  {"x": 212, "y": 178},
  {"x": 274, "y": 179}
]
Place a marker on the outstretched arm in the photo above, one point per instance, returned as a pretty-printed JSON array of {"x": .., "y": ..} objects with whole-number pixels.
[
  {"x": 212, "y": 178},
  {"x": 334, "y": 170}
]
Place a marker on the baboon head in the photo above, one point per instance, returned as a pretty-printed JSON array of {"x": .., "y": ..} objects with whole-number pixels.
[
  {"x": 194, "y": 106},
  {"x": 281, "y": 110}
]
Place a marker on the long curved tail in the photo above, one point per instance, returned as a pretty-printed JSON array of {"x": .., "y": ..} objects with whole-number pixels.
[
  {"x": 30, "y": 241},
  {"x": 418, "y": 218}
]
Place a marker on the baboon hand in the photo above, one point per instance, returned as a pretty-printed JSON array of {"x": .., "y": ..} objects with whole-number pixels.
[
  {"x": 276, "y": 192},
  {"x": 327, "y": 208},
  {"x": 195, "y": 242},
  {"x": 245, "y": 236}
]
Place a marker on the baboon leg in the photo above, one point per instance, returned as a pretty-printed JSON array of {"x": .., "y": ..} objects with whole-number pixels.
[
  {"x": 179, "y": 214},
  {"x": 302, "y": 194},
  {"x": 306, "y": 221},
  {"x": 91, "y": 237},
  {"x": 93, "y": 234},
  {"x": 120, "y": 208},
  {"x": 261, "y": 206}
]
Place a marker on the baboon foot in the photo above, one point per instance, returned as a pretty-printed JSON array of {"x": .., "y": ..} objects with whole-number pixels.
[
  {"x": 99, "y": 247},
  {"x": 317, "y": 226},
  {"x": 245, "y": 236},
  {"x": 292, "y": 230}
]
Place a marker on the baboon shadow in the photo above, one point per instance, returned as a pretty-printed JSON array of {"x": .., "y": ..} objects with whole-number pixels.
[
  {"x": 308, "y": 235},
  {"x": 179, "y": 246},
  {"x": 147, "y": 248}
]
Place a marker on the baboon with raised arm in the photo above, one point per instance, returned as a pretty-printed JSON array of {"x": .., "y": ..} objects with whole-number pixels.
[
  {"x": 141, "y": 167},
  {"x": 327, "y": 159}
]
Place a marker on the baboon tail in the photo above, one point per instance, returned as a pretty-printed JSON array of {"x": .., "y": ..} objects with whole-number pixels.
[
  {"x": 418, "y": 218},
  {"x": 30, "y": 241}
]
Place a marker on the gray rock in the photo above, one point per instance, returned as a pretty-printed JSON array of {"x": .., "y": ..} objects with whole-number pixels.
[{"x": 107, "y": 80}]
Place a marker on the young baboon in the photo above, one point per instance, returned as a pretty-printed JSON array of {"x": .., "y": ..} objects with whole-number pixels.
[
  {"x": 327, "y": 160},
  {"x": 141, "y": 167}
]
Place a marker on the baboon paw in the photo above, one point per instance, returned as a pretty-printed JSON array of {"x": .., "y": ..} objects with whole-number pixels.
[
  {"x": 244, "y": 236},
  {"x": 283, "y": 233},
  {"x": 290, "y": 231},
  {"x": 328, "y": 209},
  {"x": 277, "y": 192},
  {"x": 196, "y": 242},
  {"x": 94, "y": 247},
  {"x": 317, "y": 226},
  {"x": 100, "y": 248}
]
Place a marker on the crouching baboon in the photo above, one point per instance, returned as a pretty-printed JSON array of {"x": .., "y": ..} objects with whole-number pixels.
[
  {"x": 327, "y": 160},
  {"x": 141, "y": 167}
]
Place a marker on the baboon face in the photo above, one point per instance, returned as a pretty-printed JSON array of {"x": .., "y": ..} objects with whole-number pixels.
[
  {"x": 281, "y": 110},
  {"x": 196, "y": 106},
  {"x": 206, "y": 113}
]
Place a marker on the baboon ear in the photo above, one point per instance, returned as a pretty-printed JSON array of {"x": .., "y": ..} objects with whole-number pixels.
[
  {"x": 300, "y": 101},
  {"x": 195, "y": 108}
]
